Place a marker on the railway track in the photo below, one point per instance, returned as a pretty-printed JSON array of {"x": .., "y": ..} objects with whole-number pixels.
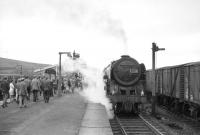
[{"x": 138, "y": 125}]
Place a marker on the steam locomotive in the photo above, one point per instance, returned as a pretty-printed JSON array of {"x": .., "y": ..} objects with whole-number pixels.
[{"x": 124, "y": 84}]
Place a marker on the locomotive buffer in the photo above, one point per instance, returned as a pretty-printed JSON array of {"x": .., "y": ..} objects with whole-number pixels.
[{"x": 155, "y": 48}]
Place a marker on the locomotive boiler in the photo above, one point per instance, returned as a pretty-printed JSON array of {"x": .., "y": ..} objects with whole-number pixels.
[{"x": 124, "y": 84}]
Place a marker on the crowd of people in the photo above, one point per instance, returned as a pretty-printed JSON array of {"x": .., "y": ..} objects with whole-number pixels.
[
  {"x": 25, "y": 89},
  {"x": 20, "y": 90}
]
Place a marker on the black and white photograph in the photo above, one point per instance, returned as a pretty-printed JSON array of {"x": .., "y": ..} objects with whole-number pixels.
[{"x": 99, "y": 67}]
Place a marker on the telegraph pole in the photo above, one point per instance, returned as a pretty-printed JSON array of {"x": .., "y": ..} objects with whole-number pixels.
[{"x": 155, "y": 48}]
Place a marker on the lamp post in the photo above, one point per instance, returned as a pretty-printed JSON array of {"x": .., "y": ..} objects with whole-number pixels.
[
  {"x": 59, "y": 72},
  {"x": 155, "y": 48}
]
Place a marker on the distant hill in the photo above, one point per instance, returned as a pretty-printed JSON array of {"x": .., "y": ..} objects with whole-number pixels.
[{"x": 10, "y": 66}]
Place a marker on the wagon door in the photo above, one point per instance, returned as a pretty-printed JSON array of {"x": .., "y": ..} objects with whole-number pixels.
[{"x": 194, "y": 83}]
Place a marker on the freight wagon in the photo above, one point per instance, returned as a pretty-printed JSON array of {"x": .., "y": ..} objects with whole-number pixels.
[{"x": 177, "y": 88}]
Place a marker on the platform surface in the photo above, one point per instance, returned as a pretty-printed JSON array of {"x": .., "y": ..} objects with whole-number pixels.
[
  {"x": 61, "y": 116},
  {"x": 95, "y": 121}
]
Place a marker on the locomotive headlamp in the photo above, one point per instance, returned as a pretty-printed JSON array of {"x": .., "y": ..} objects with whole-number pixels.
[{"x": 142, "y": 93}]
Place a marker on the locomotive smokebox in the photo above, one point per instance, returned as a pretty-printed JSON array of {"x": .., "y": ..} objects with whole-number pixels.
[{"x": 126, "y": 71}]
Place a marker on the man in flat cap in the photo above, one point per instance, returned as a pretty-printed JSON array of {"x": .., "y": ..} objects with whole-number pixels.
[{"x": 22, "y": 92}]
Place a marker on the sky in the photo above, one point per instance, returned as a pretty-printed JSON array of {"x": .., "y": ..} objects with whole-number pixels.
[{"x": 100, "y": 30}]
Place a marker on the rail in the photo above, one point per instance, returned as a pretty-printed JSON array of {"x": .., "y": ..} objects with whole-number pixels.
[
  {"x": 153, "y": 128},
  {"x": 121, "y": 127},
  {"x": 135, "y": 125}
]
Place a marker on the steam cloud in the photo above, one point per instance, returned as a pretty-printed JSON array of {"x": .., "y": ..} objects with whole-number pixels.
[{"x": 94, "y": 91}]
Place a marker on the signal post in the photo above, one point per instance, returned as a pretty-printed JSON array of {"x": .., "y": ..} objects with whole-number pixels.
[{"x": 155, "y": 48}]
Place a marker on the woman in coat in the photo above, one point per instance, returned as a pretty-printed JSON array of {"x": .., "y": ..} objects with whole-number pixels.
[{"x": 12, "y": 91}]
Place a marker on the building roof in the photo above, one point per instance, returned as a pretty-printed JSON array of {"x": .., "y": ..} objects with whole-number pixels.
[{"x": 43, "y": 69}]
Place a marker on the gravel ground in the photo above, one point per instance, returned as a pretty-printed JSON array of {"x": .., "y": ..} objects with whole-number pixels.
[{"x": 172, "y": 125}]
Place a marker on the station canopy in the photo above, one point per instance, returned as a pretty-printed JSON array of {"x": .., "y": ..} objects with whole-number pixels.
[{"x": 49, "y": 69}]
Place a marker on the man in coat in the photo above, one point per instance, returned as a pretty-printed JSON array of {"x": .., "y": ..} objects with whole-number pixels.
[
  {"x": 5, "y": 91},
  {"x": 35, "y": 87},
  {"x": 22, "y": 92},
  {"x": 28, "y": 86},
  {"x": 46, "y": 92}
]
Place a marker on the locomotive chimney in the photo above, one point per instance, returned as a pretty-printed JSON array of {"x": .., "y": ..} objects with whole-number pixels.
[{"x": 125, "y": 56}]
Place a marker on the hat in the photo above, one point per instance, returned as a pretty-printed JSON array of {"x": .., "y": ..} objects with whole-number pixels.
[{"x": 20, "y": 79}]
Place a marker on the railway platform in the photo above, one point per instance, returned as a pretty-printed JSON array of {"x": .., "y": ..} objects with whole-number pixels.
[
  {"x": 95, "y": 121},
  {"x": 61, "y": 116},
  {"x": 70, "y": 114}
]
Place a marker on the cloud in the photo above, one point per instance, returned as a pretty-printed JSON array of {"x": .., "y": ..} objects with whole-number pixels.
[
  {"x": 60, "y": 24},
  {"x": 86, "y": 13},
  {"x": 101, "y": 30}
]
